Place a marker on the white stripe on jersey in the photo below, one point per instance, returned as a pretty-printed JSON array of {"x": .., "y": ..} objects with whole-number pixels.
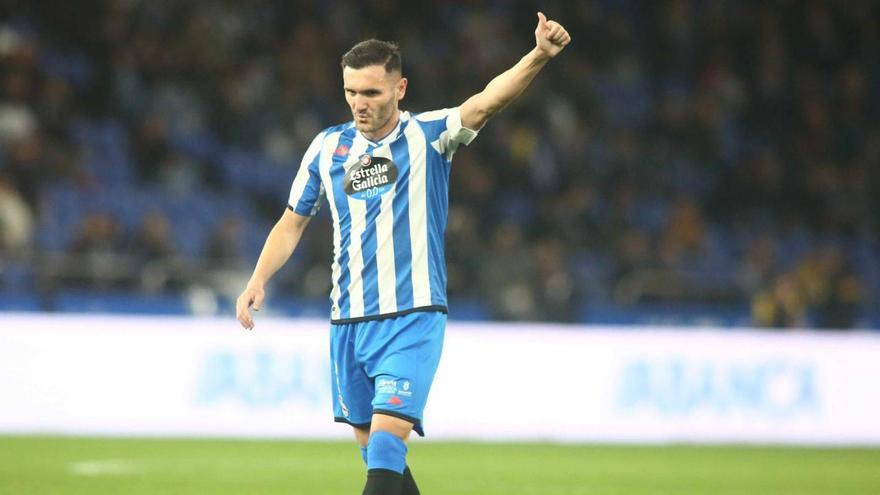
[
  {"x": 455, "y": 133},
  {"x": 418, "y": 221},
  {"x": 419, "y": 266},
  {"x": 357, "y": 209},
  {"x": 324, "y": 164},
  {"x": 303, "y": 175},
  {"x": 387, "y": 272}
]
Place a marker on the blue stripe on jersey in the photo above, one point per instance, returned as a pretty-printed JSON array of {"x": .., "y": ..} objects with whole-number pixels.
[
  {"x": 437, "y": 189},
  {"x": 369, "y": 272},
  {"x": 400, "y": 205},
  {"x": 337, "y": 172},
  {"x": 415, "y": 224},
  {"x": 432, "y": 130}
]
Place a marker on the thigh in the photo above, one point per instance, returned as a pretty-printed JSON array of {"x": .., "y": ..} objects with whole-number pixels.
[{"x": 352, "y": 389}]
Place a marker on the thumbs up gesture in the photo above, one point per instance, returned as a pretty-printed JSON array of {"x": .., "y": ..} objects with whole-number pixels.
[{"x": 550, "y": 36}]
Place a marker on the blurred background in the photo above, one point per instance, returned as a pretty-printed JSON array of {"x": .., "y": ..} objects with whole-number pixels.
[
  {"x": 682, "y": 162},
  {"x": 684, "y": 167}
]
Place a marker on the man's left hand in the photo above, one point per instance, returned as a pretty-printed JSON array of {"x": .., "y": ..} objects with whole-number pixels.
[{"x": 550, "y": 36}]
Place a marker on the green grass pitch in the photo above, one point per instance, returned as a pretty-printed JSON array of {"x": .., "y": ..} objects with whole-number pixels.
[{"x": 97, "y": 466}]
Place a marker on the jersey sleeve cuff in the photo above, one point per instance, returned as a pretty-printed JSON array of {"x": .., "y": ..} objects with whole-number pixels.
[
  {"x": 459, "y": 133},
  {"x": 303, "y": 210}
]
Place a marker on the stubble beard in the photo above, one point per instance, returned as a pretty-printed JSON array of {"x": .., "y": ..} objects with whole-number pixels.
[{"x": 374, "y": 121}]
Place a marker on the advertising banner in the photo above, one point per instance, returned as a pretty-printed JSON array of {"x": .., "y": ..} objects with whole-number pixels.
[{"x": 206, "y": 377}]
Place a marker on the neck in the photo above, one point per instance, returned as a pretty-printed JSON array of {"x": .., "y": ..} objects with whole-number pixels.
[{"x": 383, "y": 131}]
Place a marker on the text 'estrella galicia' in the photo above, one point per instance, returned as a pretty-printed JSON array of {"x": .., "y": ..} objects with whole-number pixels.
[{"x": 370, "y": 177}]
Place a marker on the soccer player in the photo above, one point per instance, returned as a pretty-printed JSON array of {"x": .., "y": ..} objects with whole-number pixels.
[{"x": 385, "y": 176}]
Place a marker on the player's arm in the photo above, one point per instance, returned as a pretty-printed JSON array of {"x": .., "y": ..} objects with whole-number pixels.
[
  {"x": 280, "y": 244},
  {"x": 550, "y": 39}
]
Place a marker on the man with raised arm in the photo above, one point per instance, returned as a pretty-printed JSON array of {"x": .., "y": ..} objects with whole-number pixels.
[{"x": 385, "y": 175}]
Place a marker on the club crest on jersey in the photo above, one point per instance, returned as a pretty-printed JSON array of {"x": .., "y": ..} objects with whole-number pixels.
[
  {"x": 370, "y": 177},
  {"x": 341, "y": 150}
]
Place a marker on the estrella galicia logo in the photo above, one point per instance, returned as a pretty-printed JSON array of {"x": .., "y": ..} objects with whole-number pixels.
[{"x": 370, "y": 177}]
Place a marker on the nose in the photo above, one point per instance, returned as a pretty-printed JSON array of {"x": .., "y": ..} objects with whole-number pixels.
[{"x": 358, "y": 104}]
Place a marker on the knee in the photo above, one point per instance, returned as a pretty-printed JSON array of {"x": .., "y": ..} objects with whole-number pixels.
[{"x": 398, "y": 427}]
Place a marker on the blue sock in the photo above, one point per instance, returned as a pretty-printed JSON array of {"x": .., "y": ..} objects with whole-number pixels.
[
  {"x": 364, "y": 454},
  {"x": 386, "y": 451}
]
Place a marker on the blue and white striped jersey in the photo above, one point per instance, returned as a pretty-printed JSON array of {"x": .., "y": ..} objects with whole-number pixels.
[{"x": 389, "y": 201}]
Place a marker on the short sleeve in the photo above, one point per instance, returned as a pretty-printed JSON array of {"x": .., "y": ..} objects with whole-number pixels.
[
  {"x": 306, "y": 190},
  {"x": 446, "y": 129},
  {"x": 457, "y": 133}
]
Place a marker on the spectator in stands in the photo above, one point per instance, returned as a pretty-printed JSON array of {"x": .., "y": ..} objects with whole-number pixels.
[
  {"x": 16, "y": 220},
  {"x": 554, "y": 284},
  {"x": 99, "y": 261},
  {"x": 158, "y": 163},
  {"x": 832, "y": 288},
  {"x": 26, "y": 168},
  {"x": 758, "y": 264},
  {"x": 682, "y": 241},
  {"x": 227, "y": 266},
  {"x": 155, "y": 255},
  {"x": 759, "y": 123},
  {"x": 507, "y": 276},
  {"x": 150, "y": 148},
  {"x": 821, "y": 286},
  {"x": 783, "y": 305},
  {"x": 224, "y": 248},
  {"x": 18, "y": 83}
]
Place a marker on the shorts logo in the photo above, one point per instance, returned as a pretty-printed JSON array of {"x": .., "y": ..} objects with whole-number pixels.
[
  {"x": 395, "y": 401},
  {"x": 404, "y": 389},
  {"x": 370, "y": 177},
  {"x": 387, "y": 386}
]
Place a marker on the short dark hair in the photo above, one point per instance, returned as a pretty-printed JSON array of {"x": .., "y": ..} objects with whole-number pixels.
[{"x": 373, "y": 52}]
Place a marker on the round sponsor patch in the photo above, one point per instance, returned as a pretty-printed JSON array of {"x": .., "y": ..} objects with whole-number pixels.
[{"x": 370, "y": 177}]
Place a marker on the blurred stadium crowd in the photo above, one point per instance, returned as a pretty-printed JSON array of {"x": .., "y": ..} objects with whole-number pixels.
[{"x": 712, "y": 157}]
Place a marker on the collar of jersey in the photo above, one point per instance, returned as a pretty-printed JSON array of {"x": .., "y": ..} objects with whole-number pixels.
[{"x": 391, "y": 136}]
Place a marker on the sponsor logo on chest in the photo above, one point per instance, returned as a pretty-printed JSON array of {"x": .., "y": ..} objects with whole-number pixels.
[{"x": 370, "y": 177}]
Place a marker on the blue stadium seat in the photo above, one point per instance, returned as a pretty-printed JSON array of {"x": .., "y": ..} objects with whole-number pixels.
[
  {"x": 69, "y": 65},
  {"x": 256, "y": 173},
  {"x": 461, "y": 309},
  {"x": 666, "y": 314},
  {"x": 16, "y": 276},
  {"x": 301, "y": 307},
  {"x": 82, "y": 301},
  {"x": 200, "y": 146},
  {"x": 20, "y": 301},
  {"x": 107, "y": 156}
]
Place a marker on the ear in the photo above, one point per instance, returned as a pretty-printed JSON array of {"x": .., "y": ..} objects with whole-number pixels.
[{"x": 401, "y": 88}]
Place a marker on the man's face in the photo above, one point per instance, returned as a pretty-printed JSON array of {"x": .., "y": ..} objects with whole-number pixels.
[{"x": 373, "y": 96}]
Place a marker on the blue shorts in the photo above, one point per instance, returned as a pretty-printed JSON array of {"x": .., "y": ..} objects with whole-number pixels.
[{"x": 385, "y": 366}]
